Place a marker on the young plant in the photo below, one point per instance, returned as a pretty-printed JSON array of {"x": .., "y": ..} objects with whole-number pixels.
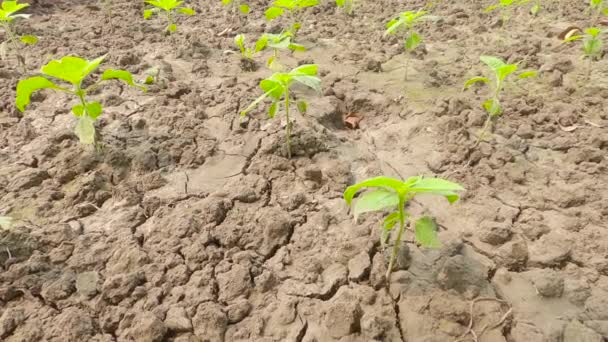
[
  {"x": 278, "y": 42},
  {"x": 295, "y": 10},
  {"x": 247, "y": 53},
  {"x": 536, "y": 8},
  {"x": 597, "y": 7},
  {"x": 506, "y": 8},
  {"x": 168, "y": 7},
  {"x": 405, "y": 24},
  {"x": 592, "y": 45},
  {"x": 346, "y": 5},
  {"x": 393, "y": 194},
  {"x": 237, "y": 6},
  {"x": 500, "y": 71},
  {"x": 8, "y": 14},
  {"x": 278, "y": 88},
  {"x": 72, "y": 71}
]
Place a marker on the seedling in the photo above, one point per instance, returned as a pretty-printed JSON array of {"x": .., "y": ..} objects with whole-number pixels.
[
  {"x": 501, "y": 71},
  {"x": 346, "y": 5},
  {"x": 536, "y": 8},
  {"x": 278, "y": 88},
  {"x": 8, "y": 14},
  {"x": 405, "y": 24},
  {"x": 506, "y": 8},
  {"x": 278, "y": 42},
  {"x": 73, "y": 70},
  {"x": 391, "y": 194},
  {"x": 597, "y": 7},
  {"x": 237, "y": 6},
  {"x": 247, "y": 62},
  {"x": 168, "y": 7},
  {"x": 592, "y": 45},
  {"x": 295, "y": 10}
]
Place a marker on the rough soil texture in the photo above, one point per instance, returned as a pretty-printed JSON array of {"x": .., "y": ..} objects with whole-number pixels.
[{"x": 191, "y": 225}]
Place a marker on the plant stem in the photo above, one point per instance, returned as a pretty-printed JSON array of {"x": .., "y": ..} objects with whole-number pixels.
[
  {"x": 13, "y": 40},
  {"x": 288, "y": 127},
  {"x": 398, "y": 240}
]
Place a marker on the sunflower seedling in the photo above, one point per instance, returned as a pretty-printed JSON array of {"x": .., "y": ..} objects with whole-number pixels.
[
  {"x": 278, "y": 88},
  {"x": 8, "y": 14},
  {"x": 247, "y": 53},
  {"x": 294, "y": 9},
  {"x": 168, "y": 8},
  {"x": 72, "y": 71},
  {"x": 592, "y": 45},
  {"x": 405, "y": 24},
  {"x": 506, "y": 8},
  {"x": 392, "y": 194},
  {"x": 347, "y": 6},
  {"x": 500, "y": 71}
]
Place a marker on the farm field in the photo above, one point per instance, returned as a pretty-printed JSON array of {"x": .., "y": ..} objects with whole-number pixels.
[{"x": 162, "y": 203}]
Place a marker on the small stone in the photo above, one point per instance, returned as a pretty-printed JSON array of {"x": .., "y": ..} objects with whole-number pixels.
[
  {"x": 87, "y": 284},
  {"x": 495, "y": 233},
  {"x": 359, "y": 266},
  {"x": 177, "y": 320}
]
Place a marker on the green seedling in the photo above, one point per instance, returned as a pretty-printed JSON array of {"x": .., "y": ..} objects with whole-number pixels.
[
  {"x": 278, "y": 88},
  {"x": 247, "y": 53},
  {"x": 536, "y": 8},
  {"x": 278, "y": 42},
  {"x": 346, "y": 5},
  {"x": 72, "y": 71},
  {"x": 500, "y": 71},
  {"x": 592, "y": 45},
  {"x": 168, "y": 7},
  {"x": 405, "y": 24},
  {"x": 597, "y": 7},
  {"x": 8, "y": 14},
  {"x": 6, "y": 222},
  {"x": 295, "y": 10},
  {"x": 392, "y": 194},
  {"x": 236, "y": 6},
  {"x": 506, "y": 8}
]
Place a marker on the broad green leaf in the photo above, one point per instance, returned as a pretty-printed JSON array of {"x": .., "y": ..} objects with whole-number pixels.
[
  {"x": 187, "y": 11},
  {"x": 239, "y": 41},
  {"x": 172, "y": 28},
  {"x": 306, "y": 69},
  {"x": 312, "y": 82},
  {"x": 593, "y": 31},
  {"x": 302, "y": 106},
  {"x": 390, "y": 221},
  {"x": 296, "y": 47},
  {"x": 426, "y": 233},
  {"x": 493, "y": 62},
  {"x": 307, "y": 3},
  {"x": 528, "y": 74},
  {"x": 535, "y": 9},
  {"x": 289, "y": 4},
  {"x": 340, "y": 3},
  {"x": 374, "y": 201},
  {"x": 71, "y": 69},
  {"x": 274, "y": 89},
  {"x": 273, "y": 13},
  {"x": 272, "y": 110},
  {"x": 437, "y": 186},
  {"x": 573, "y": 38},
  {"x": 149, "y": 80},
  {"x": 148, "y": 13},
  {"x": 25, "y": 89},
  {"x": 478, "y": 79},
  {"x": 393, "y": 25},
  {"x": 78, "y": 110},
  {"x": 30, "y": 40},
  {"x": 94, "y": 110},
  {"x": 226, "y": 2},
  {"x": 122, "y": 75},
  {"x": 493, "y": 107},
  {"x": 6, "y": 222},
  {"x": 11, "y": 7},
  {"x": 506, "y": 70},
  {"x": 376, "y": 182},
  {"x": 85, "y": 130},
  {"x": 412, "y": 41},
  {"x": 245, "y": 9},
  {"x": 261, "y": 44}
]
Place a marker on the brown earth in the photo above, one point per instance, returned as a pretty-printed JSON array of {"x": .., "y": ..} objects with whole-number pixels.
[{"x": 191, "y": 225}]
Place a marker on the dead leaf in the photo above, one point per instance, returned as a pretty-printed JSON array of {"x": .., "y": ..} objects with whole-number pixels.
[{"x": 352, "y": 120}]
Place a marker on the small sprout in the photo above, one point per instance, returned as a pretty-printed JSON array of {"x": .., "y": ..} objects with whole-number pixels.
[
  {"x": 346, "y": 5},
  {"x": 237, "y": 6},
  {"x": 405, "y": 24},
  {"x": 592, "y": 45},
  {"x": 295, "y": 8},
  {"x": 598, "y": 7},
  {"x": 6, "y": 222},
  {"x": 506, "y": 8},
  {"x": 8, "y": 14},
  {"x": 151, "y": 75},
  {"x": 501, "y": 71},
  {"x": 169, "y": 7},
  {"x": 278, "y": 88},
  {"x": 72, "y": 71},
  {"x": 393, "y": 194},
  {"x": 278, "y": 42},
  {"x": 536, "y": 8}
]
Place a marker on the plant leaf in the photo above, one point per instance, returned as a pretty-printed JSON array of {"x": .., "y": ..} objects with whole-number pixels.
[
  {"x": 474, "y": 80},
  {"x": 506, "y": 70},
  {"x": 71, "y": 69},
  {"x": 85, "y": 130},
  {"x": 172, "y": 28},
  {"x": 272, "y": 110},
  {"x": 187, "y": 11},
  {"x": 125, "y": 76},
  {"x": 273, "y": 13},
  {"x": 426, "y": 233},
  {"x": 437, "y": 186},
  {"x": 493, "y": 62},
  {"x": 493, "y": 107},
  {"x": 306, "y": 69},
  {"x": 376, "y": 182},
  {"x": 30, "y": 40},
  {"x": 412, "y": 41},
  {"x": 374, "y": 201},
  {"x": 78, "y": 110},
  {"x": 528, "y": 74},
  {"x": 148, "y": 13},
  {"x": 245, "y": 9},
  {"x": 25, "y": 89},
  {"x": 302, "y": 106},
  {"x": 94, "y": 110}
]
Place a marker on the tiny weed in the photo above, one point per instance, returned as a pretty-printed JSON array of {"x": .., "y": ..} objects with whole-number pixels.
[
  {"x": 405, "y": 23},
  {"x": 295, "y": 10},
  {"x": 390, "y": 193},
  {"x": 501, "y": 71},
  {"x": 347, "y": 6},
  {"x": 168, "y": 7},
  {"x": 592, "y": 45},
  {"x": 8, "y": 14},
  {"x": 73, "y": 70},
  {"x": 278, "y": 88},
  {"x": 506, "y": 8}
]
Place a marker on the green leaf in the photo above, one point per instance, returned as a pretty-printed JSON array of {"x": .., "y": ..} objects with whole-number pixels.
[
  {"x": 30, "y": 40},
  {"x": 528, "y": 74},
  {"x": 297, "y": 47},
  {"x": 478, "y": 79},
  {"x": 78, "y": 110},
  {"x": 226, "y": 2},
  {"x": 149, "y": 80},
  {"x": 390, "y": 221},
  {"x": 71, "y": 69},
  {"x": 374, "y": 201},
  {"x": 85, "y": 130},
  {"x": 506, "y": 70},
  {"x": 274, "y": 89},
  {"x": 6, "y": 222},
  {"x": 272, "y": 110},
  {"x": 393, "y": 25},
  {"x": 11, "y": 7},
  {"x": 245, "y": 9},
  {"x": 306, "y": 69},
  {"x": 535, "y": 9},
  {"x": 239, "y": 41},
  {"x": 376, "y": 182},
  {"x": 273, "y": 13},
  {"x": 426, "y": 233},
  {"x": 307, "y": 3},
  {"x": 437, "y": 186},
  {"x": 573, "y": 38},
  {"x": 122, "y": 75},
  {"x": 340, "y": 3},
  {"x": 302, "y": 106},
  {"x": 94, "y": 110},
  {"x": 148, "y": 13},
  {"x": 493, "y": 62},
  {"x": 172, "y": 28},
  {"x": 490, "y": 8},
  {"x": 412, "y": 41},
  {"x": 593, "y": 31},
  {"x": 261, "y": 43},
  {"x": 25, "y": 89},
  {"x": 186, "y": 11},
  {"x": 312, "y": 82},
  {"x": 493, "y": 107}
]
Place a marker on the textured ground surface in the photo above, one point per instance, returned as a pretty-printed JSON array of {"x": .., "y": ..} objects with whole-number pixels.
[{"x": 191, "y": 225}]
